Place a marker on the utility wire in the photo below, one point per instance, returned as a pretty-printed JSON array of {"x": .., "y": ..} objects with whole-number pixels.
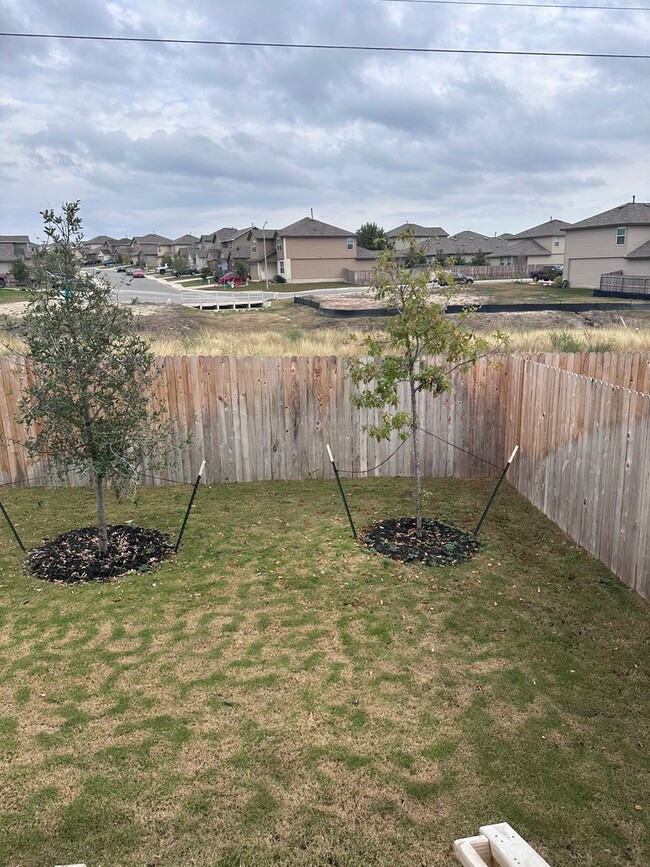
[
  {"x": 327, "y": 47},
  {"x": 523, "y": 5}
]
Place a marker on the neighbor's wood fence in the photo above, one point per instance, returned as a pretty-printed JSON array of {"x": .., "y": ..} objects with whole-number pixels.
[
  {"x": 584, "y": 434},
  {"x": 624, "y": 284}
]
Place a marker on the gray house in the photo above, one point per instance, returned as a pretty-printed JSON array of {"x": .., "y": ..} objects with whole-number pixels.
[
  {"x": 14, "y": 247},
  {"x": 615, "y": 240}
]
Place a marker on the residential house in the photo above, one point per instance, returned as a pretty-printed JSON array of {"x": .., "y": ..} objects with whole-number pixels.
[
  {"x": 615, "y": 240},
  {"x": 312, "y": 251},
  {"x": 14, "y": 247},
  {"x": 526, "y": 254},
  {"x": 263, "y": 260},
  {"x": 425, "y": 238},
  {"x": 148, "y": 250},
  {"x": 551, "y": 236}
]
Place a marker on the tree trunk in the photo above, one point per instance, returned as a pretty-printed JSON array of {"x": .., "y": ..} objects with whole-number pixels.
[
  {"x": 416, "y": 459},
  {"x": 101, "y": 514}
]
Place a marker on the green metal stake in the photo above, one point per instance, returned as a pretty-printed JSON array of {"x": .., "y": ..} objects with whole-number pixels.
[
  {"x": 345, "y": 502},
  {"x": 494, "y": 492},
  {"x": 13, "y": 529},
  {"x": 189, "y": 506}
]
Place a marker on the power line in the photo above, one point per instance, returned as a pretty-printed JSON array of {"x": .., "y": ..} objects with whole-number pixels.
[
  {"x": 523, "y": 5},
  {"x": 326, "y": 47}
]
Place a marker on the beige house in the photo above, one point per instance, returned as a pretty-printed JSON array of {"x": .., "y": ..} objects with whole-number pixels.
[
  {"x": 551, "y": 236},
  {"x": 148, "y": 250},
  {"x": 14, "y": 247},
  {"x": 426, "y": 238},
  {"x": 311, "y": 251},
  {"x": 616, "y": 240}
]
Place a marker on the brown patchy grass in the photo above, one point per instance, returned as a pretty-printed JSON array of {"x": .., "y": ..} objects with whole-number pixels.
[{"x": 277, "y": 695}]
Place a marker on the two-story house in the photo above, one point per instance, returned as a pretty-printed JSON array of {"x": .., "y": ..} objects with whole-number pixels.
[
  {"x": 425, "y": 238},
  {"x": 615, "y": 240},
  {"x": 14, "y": 247},
  {"x": 551, "y": 236},
  {"x": 312, "y": 251},
  {"x": 148, "y": 250}
]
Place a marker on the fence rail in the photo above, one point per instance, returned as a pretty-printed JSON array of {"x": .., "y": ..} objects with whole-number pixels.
[{"x": 582, "y": 423}]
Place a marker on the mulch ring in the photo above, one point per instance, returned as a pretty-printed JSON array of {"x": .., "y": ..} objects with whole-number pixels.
[
  {"x": 437, "y": 545},
  {"x": 74, "y": 556}
]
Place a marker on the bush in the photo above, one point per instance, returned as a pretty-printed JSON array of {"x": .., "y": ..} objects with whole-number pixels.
[
  {"x": 557, "y": 282},
  {"x": 278, "y": 279}
]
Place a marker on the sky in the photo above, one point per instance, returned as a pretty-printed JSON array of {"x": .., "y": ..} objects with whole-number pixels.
[{"x": 187, "y": 138}]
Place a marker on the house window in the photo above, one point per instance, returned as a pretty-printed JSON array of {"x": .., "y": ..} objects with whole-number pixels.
[
  {"x": 281, "y": 266},
  {"x": 253, "y": 246},
  {"x": 278, "y": 244},
  {"x": 620, "y": 235},
  {"x": 556, "y": 241},
  {"x": 350, "y": 243},
  {"x": 505, "y": 260}
]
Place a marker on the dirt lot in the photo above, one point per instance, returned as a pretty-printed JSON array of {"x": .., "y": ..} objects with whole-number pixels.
[{"x": 175, "y": 322}]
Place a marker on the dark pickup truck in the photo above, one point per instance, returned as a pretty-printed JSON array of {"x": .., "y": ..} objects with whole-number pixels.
[
  {"x": 546, "y": 272},
  {"x": 4, "y": 280}
]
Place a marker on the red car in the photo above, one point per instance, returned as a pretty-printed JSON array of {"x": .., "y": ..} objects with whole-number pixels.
[
  {"x": 138, "y": 272},
  {"x": 232, "y": 279}
]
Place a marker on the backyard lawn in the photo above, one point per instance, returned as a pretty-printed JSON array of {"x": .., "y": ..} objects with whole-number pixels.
[{"x": 277, "y": 695}]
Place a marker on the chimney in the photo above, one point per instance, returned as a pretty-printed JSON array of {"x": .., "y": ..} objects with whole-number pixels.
[
  {"x": 633, "y": 199},
  {"x": 311, "y": 211}
]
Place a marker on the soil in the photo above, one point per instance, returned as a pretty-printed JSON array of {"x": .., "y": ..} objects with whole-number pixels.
[
  {"x": 437, "y": 544},
  {"x": 74, "y": 556}
]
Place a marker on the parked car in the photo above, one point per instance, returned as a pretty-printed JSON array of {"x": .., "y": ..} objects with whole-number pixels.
[
  {"x": 546, "y": 272},
  {"x": 231, "y": 279},
  {"x": 457, "y": 278},
  {"x": 187, "y": 272},
  {"x": 138, "y": 272},
  {"x": 4, "y": 280},
  {"x": 121, "y": 268}
]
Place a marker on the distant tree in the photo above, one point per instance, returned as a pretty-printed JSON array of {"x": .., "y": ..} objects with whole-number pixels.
[
  {"x": 167, "y": 260},
  {"x": 459, "y": 259},
  {"x": 20, "y": 271},
  {"x": 122, "y": 259},
  {"x": 479, "y": 258},
  {"x": 440, "y": 258},
  {"x": 179, "y": 261},
  {"x": 86, "y": 407},
  {"x": 404, "y": 352},
  {"x": 241, "y": 268},
  {"x": 370, "y": 236}
]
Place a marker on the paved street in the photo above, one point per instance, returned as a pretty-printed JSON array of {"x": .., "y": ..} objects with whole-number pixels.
[{"x": 152, "y": 290}]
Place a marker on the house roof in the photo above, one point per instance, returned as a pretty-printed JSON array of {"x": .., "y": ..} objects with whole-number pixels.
[
  {"x": 189, "y": 240},
  {"x": 629, "y": 214},
  {"x": 261, "y": 234},
  {"x": 309, "y": 228},
  {"x": 544, "y": 230},
  {"x": 362, "y": 253},
  {"x": 14, "y": 239},
  {"x": 99, "y": 239},
  {"x": 152, "y": 238},
  {"x": 418, "y": 231},
  {"x": 642, "y": 252},
  {"x": 523, "y": 247}
]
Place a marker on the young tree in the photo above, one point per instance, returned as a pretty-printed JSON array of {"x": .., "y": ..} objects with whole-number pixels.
[
  {"x": 404, "y": 354},
  {"x": 87, "y": 403},
  {"x": 479, "y": 258},
  {"x": 20, "y": 271},
  {"x": 371, "y": 237}
]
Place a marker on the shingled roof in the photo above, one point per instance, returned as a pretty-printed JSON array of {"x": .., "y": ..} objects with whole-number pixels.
[
  {"x": 544, "y": 230},
  {"x": 418, "y": 231},
  {"x": 642, "y": 252},
  {"x": 629, "y": 214},
  {"x": 310, "y": 228}
]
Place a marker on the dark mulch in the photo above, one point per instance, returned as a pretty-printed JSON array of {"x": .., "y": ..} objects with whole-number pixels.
[
  {"x": 74, "y": 556},
  {"x": 437, "y": 545}
]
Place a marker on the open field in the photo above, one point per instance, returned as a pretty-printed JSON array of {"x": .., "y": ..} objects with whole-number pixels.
[
  {"x": 292, "y": 329},
  {"x": 279, "y": 696}
]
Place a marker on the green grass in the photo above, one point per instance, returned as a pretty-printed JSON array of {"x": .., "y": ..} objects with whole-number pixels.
[
  {"x": 8, "y": 295},
  {"x": 276, "y": 695}
]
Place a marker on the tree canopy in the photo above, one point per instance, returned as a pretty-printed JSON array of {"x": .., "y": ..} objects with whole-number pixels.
[
  {"x": 370, "y": 236},
  {"x": 419, "y": 349},
  {"x": 87, "y": 406}
]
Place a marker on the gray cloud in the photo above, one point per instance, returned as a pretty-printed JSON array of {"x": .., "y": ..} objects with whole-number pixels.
[{"x": 197, "y": 136}]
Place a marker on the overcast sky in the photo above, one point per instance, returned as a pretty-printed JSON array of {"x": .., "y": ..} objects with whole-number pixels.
[{"x": 176, "y": 138}]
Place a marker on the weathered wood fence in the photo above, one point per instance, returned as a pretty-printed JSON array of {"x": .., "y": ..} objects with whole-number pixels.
[
  {"x": 624, "y": 284},
  {"x": 583, "y": 432}
]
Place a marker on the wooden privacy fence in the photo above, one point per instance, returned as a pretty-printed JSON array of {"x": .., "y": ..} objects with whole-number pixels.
[{"x": 584, "y": 441}]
